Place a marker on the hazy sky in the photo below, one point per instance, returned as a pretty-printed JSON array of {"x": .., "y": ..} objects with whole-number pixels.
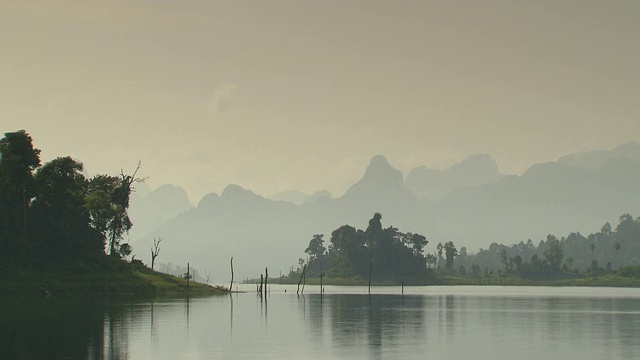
[{"x": 280, "y": 95}]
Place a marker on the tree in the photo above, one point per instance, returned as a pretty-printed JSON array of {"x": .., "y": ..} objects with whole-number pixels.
[
  {"x": 18, "y": 160},
  {"x": 554, "y": 253},
  {"x": 504, "y": 259},
  {"x": 450, "y": 253},
  {"x": 517, "y": 262},
  {"x": 439, "y": 248},
  {"x": 431, "y": 259},
  {"x": 108, "y": 204},
  {"x": 62, "y": 231},
  {"x": 155, "y": 250},
  {"x": 374, "y": 224},
  {"x": 316, "y": 249},
  {"x": 417, "y": 242}
]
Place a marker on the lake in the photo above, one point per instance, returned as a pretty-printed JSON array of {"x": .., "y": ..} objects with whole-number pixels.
[{"x": 437, "y": 322}]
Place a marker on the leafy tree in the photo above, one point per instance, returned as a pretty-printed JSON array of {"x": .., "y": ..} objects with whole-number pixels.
[
  {"x": 554, "y": 253},
  {"x": 450, "y": 253},
  {"x": 317, "y": 254},
  {"x": 439, "y": 248},
  {"x": 18, "y": 160},
  {"x": 431, "y": 259},
  {"x": 416, "y": 241},
  {"x": 108, "y": 204},
  {"x": 388, "y": 251},
  {"x": 316, "y": 249},
  {"x": 62, "y": 230}
]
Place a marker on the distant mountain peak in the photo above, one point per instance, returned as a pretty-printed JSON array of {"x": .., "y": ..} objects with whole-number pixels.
[
  {"x": 233, "y": 191},
  {"x": 477, "y": 162},
  {"x": 379, "y": 170},
  {"x": 475, "y": 170},
  {"x": 598, "y": 158},
  {"x": 631, "y": 149}
]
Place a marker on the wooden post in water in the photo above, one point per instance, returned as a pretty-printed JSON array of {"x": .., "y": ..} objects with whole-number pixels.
[
  {"x": 266, "y": 289},
  {"x": 231, "y": 286},
  {"x": 304, "y": 280},
  {"x": 304, "y": 268},
  {"x": 321, "y": 290},
  {"x": 261, "y": 282},
  {"x": 369, "y": 278},
  {"x": 188, "y": 275}
]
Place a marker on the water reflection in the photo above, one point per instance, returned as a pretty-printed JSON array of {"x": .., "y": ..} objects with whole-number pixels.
[
  {"x": 53, "y": 329},
  {"x": 338, "y": 326},
  {"x": 375, "y": 321}
]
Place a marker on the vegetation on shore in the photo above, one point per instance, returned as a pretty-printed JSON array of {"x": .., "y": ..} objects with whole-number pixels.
[
  {"x": 61, "y": 233},
  {"x": 624, "y": 277},
  {"x": 122, "y": 279},
  {"x": 390, "y": 257}
]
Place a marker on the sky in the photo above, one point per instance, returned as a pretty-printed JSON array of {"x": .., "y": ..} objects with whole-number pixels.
[{"x": 299, "y": 95}]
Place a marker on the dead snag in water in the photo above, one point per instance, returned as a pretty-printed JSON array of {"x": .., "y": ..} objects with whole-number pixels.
[
  {"x": 261, "y": 282},
  {"x": 231, "y": 285},
  {"x": 266, "y": 275},
  {"x": 369, "y": 278},
  {"x": 304, "y": 269},
  {"x": 321, "y": 289},
  {"x": 187, "y": 275}
]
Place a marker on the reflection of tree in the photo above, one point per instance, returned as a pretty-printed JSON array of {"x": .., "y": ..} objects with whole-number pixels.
[
  {"x": 380, "y": 319},
  {"x": 55, "y": 329},
  {"x": 312, "y": 310}
]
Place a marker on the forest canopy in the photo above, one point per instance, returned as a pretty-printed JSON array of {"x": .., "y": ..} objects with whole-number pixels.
[
  {"x": 352, "y": 252},
  {"x": 51, "y": 214}
]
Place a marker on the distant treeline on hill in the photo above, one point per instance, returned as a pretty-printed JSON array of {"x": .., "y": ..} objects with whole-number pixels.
[
  {"x": 596, "y": 253},
  {"x": 391, "y": 254}
]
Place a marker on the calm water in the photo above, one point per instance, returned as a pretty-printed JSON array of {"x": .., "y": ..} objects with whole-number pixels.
[{"x": 427, "y": 322}]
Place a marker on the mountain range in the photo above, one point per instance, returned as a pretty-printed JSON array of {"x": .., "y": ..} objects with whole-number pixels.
[{"x": 471, "y": 204}]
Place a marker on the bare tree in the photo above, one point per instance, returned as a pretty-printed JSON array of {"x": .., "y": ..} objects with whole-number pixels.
[
  {"x": 155, "y": 250},
  {"x": 231, "y": 285},
  {"x": 208, "y": 273}
]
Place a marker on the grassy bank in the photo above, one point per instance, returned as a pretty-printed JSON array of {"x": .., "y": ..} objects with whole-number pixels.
[
  {"x": 625, "y": 277},
  {"x": 121, "y": 279}
]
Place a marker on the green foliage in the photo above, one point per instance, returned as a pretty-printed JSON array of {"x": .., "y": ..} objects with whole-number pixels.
[
  {"x": 564, "y": 257},
  {"x": 389, "y": 252},
  {"x": 18, "y": 160},
  {"x": 450, "y": 253},
  {"x": 52, "y": 214}
]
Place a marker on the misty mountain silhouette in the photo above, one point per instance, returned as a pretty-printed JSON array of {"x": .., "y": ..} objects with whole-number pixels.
[
  {"x": 433, "y": 185},
  {"x": 598, "y": 158},
  {"x": 478, "y": 206}
]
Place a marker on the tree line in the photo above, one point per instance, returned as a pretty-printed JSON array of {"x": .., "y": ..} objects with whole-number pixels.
[
  {"x": 51, "y": 214},
  {"x": 575, "y": 254},
  {"x": 396, "y": 255}
]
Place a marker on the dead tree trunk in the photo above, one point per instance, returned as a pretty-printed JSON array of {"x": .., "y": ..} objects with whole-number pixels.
[
  {"x": 266, "y": 275},
  {"x": 261, "y": 282},
  {"x": 304, "y": 268},
  {"x": 369, "y": 278},
  {"x": 321, "y": 289},
  {"x": 155, "y": 250},
  {"x": 188, "y": 275},
  {"x": 231, "y": 285}
]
